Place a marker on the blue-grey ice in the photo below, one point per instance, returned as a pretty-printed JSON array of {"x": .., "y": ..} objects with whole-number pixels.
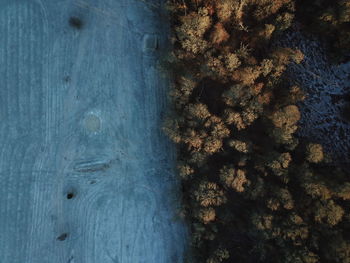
[{"x": 86, "y": 174}]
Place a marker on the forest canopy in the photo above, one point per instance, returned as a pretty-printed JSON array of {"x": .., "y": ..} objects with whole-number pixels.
[{"x": 253, "y": 191}]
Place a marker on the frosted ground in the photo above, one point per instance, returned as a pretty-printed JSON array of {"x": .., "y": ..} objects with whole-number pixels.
[
  {"x": 86, "y": 173},
  {"x": 328, "y": 93}
]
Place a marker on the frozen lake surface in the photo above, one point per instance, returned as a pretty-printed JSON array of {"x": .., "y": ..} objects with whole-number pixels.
[{"x": 86, "y": 174}]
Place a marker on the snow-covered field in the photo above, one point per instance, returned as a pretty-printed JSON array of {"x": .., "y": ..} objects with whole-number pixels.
[
  {"x": 328, "y": 92},
  {"x": 86, "y": 174}
]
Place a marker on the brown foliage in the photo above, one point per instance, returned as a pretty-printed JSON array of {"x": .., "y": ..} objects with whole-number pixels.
[
  {"x": 234, "y": 178},
  {"x": 246, "y": 184},
  {"x": 209, "y": 194},
  {"x": 314, "y": 153},
  {"x": 219, "y": 34}
]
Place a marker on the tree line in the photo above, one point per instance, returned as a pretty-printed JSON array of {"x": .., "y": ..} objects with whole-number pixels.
[{"x": 253, "y": 191}]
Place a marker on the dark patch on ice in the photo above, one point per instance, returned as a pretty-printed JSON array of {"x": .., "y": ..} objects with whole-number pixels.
[
  {"x": 70, "y": 195},
  {"x": 76, "y": 22},
  {"x": 62, "y": 237},
  {"x": 66, "y": 79}
]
